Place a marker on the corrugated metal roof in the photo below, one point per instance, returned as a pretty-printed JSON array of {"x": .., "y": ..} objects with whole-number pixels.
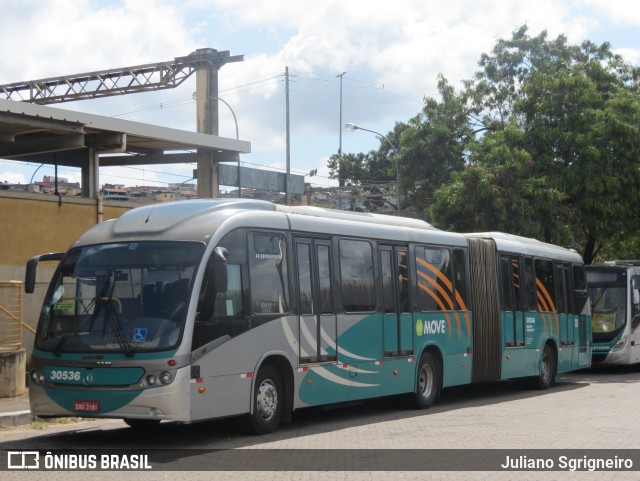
[{"x": 33, "y": 132}]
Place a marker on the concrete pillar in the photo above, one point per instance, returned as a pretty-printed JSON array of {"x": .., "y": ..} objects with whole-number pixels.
[
  {"x": 207, "y": 112},
  {"x": 13, "y": 366}
]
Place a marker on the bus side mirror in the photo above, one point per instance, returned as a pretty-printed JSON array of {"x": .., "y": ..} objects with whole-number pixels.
[
  {"x": 32, "y": 267},
  {"x": 220, "y": 275},
  {"x": 30, "y": 276}
]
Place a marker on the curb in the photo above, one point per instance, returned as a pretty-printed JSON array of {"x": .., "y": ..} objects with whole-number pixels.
[{"x": 17, "y": 418}]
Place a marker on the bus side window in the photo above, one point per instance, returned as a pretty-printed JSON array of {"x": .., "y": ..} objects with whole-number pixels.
[
  {"x": 433, "y": 265},
  {"x": 579, "y": 291},
  {"x": 268, "y": 276},
  {"x": 221, "y": 313},
  {"x": 460, "y": 279},
  {"x": 545, "y": 283},
  {"x": 530, "y": 303},
  {"x": 356, "y": 276}
]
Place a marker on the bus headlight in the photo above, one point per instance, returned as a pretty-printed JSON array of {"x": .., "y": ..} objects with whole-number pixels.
[
  {"x": 620, "y": 344},
  {"x": 166, "y": 377},
  {"x": 158, "y": 379},
  {"x": 37, "y": 376}
]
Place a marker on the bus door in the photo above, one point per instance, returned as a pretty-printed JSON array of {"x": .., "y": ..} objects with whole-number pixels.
[
  {"x": 581, "y": 311},
  {"x": 634, "y": 318},
  {"x": 397, "y": 330},
  {"x": 317, "y": 328},
  {"x": 566, "y": 334},
  {"x": 512, "y": 312}
]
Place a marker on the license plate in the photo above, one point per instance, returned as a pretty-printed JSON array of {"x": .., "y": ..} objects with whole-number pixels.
[{"x": 86, "y": 406}]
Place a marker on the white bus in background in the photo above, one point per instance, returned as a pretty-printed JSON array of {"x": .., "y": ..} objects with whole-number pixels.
[{"x": 614, "y": 288}]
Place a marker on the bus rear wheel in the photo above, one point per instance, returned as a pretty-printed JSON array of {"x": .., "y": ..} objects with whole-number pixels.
[
  {"x": 268, "y": 400},
  {"x": 428, "y": 381},
  {"x": 548, "y": 369}
]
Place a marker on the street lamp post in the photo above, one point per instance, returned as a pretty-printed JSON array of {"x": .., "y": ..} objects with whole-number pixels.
[
  {"x": 235, "y": 120},
  {"x": 340, "y": 181},
  {"x": 350, "y": 127},
  {"x": 238, "y": 138}
]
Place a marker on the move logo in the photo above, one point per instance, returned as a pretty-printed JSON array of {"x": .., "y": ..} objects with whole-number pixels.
[{"x": 424, "y": 328}]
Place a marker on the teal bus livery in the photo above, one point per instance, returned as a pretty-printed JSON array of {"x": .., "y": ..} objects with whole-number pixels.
[{"x": 196, "y": 310}]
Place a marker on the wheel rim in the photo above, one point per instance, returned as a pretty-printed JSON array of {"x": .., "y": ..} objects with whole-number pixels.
[
  {"x": 426, "y": 381},
  {"x": 267, "y": 399},
  {"x": 544, "y": 368}
]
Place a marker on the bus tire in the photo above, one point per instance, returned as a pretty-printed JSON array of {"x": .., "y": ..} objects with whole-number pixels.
[
  {"x": 427, "y": 382},
  {"x": 548, "y": 369},
  {"x": 268, "y": 400}
]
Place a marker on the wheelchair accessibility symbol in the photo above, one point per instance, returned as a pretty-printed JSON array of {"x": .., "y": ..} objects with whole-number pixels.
[{"x": 139, "y": 334}]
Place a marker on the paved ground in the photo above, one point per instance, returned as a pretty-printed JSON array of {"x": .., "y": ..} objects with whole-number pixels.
[{"x": 589, "y": 410}]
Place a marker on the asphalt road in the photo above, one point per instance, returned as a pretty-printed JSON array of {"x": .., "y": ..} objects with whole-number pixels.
[{"x": 594, "y": 412}]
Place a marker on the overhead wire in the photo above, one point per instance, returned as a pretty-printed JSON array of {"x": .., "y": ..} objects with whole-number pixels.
[{"x": 249, "y": 86}]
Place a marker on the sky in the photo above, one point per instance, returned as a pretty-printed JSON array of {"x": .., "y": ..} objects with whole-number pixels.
[{"x": 391, "y": 54}]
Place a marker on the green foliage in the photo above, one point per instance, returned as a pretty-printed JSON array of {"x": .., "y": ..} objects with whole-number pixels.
[
  {"x": 562, "y": 121},
  {"x": 542, "y": 141},
  {"x": 433, "y": 146}
]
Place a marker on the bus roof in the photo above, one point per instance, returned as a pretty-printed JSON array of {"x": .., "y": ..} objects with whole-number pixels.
[
  {"x": 629, "y": 266},
  {"x": 527, "y": 245},
  {"x": 625, "y": 263},
  {"x": 200, "y": 219}
]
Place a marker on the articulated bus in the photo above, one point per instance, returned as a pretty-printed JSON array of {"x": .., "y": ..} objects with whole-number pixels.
[
  {"x": 195, "y": 310},
  {"x": 614, "y": 288}
]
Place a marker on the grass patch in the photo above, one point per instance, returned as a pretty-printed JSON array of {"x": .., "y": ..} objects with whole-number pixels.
[{"x": 45, "y": 423}]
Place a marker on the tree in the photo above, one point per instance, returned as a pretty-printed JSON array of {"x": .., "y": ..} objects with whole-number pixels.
[
  {"x": 350, "y": 169},
  {"x": 433, "y": 145},
  {"x": 377, "y": 166},
  {"x": 542, "y": 141},
  {"x": 563, "y": 120},
  {"x": 497, "y": 191}
]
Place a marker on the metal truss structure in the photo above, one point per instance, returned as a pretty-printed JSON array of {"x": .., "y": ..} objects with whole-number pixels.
[
  {"x": 366, "y": 191},
  {"x": 119, "y": 81}
]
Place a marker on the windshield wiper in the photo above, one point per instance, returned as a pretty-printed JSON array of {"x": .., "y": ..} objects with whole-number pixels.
[
  {"x": 57, "y": 351},
  {"x": 102, "y": 303},
  {"x": 112, "y": 314},
  {"x": 600, "y": 293},
  {"x": 116, "y": 325}
]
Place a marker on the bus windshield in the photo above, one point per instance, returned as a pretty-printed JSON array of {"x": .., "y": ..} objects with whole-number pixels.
[
  {"x": 120, "y": 297},
  {"x": 609, "y": 307}
]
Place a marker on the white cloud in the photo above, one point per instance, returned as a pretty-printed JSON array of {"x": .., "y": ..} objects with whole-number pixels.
[
  {"x": 630, "y": 55},
  {"x": 9, "y": 177},
  {"x": 622, "y": 12},
  {"x": 392, "y": 53}
]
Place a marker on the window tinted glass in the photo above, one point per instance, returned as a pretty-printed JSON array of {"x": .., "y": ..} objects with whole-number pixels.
[
  {"x": 268, "y": 273},
  {"x": 435, "y": 287},
  {"x": 356, "y": 273}
]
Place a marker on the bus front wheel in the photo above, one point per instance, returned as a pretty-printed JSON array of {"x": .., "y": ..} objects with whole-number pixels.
[
  {"x": 268, "y": 399},
  {"x": 428, "y": 382},
  {"x": 548, "y": 369}
]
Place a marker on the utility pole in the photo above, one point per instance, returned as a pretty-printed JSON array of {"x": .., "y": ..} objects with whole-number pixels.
[
  {"x": 340, "y": 179},
  {"x": 288, "y": 138}
]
